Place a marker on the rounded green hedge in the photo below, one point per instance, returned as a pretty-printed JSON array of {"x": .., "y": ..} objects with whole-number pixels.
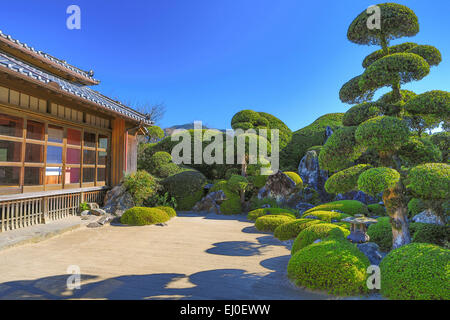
[
  {"x": 296, "y": 178},
  {"x": 327, "y": 216},
  {"x": 377, "y": 209},
  {"x": 374, "y": 56},
  {"x": 430, "y": 233},
  {"x": 169, "y": 210},
  {"x": 435, "y": 102},
  {"x": 334, "y": 265},
  {"x": 376, "y": 180},
  {"x": 186, "y": 187},
  {"x": 141, "y": 185},
  {"x": 351, "y": 93},
  {"x": 157, "y": 160},
  {"x": 350, "y": 207},
  {"x": 315, "y": 232},
  {"x": 345, "y": 180},
  {"x": 381, "y": 233},
  {"x": 255, "y": 214},
  {"x": 419, "y": 150},
  {"x": 290, "y": 230},
  {"x": 430, "y": 181},
  {"x": 416, "y": 271},
  {"x": 270, "y": 222},
  {"x": 140, "y": 216}
]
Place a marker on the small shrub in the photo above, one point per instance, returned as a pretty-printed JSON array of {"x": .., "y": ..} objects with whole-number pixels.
[
  {"x": 233, "y": 203},
  {"x": 315, "y": 232},
  {"x": 296, "y": 178},
  {"x": 140, "y": 216},
  {"x": 377, "y": 209},
  {"x": 254, "y": 214},
  {"x": 167, "y": 170},
  {"x": 381, "y": 233},
  {"x": 350, "y": 207},
  {"x": 256, "y": 203},
  {"x": 327, "y": 216},
  {"x": 271, "y": 222},
  {"x": 334, "y": 265},
  {"x": 84, "y": 206},
  {"x": 157, "y": 160},
  {"x": 258, "y": 181},
  {"x": 290, "y": 230},
  {"x": 164, "y": 200},
  {"x": 416, "y": 271},
  {"x": 141, "y": 185},
  {"x": 416, "y": 206},
  {"x": 170, "y": 211},
  {"x": 186, "y": 187},
  {"x": 237, "y": 183},
  {"x": 430, "y": 233},
  {"x": 376, "y": 180}
]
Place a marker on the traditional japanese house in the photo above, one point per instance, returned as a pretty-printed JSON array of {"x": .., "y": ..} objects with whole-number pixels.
[{"x": 61, "y": 142}]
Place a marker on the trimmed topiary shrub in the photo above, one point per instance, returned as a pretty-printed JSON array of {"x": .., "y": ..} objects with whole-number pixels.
[
  {"x": 350, "y": 207},
  {"x": 169, "y": 210},
  {"x": 416, "y": 206},
  {"x": 377, "y": 209},
  {"x": 186, "y": 187},
  {"x": 141, "y": 185},
  {"x": 296, "y": 178},
  {"x": 430, "y": 233},
  {"x": 418, "y": 151},
  {"x": 258, "y": 181},
  {"x": 381, "y": 233},
  {"x": 318, "y": 231},
  {"x": 255, "y": 214},
  {"x": 140, "y": 216},
  {"x": 233, "y": 203},
  {"x": 345, "y": 180},
  {"x": 270, "y": 222},
  {"x": 291, "y": 229},
  {"x": 360, "y": 113},
  {"x": 334, "y": 265},
  {"x": 327, "y": 216},
  {"x": 416, "y": 271},
  {"x": 430, "y": 181},
  {"x": 376, "y": 180}
]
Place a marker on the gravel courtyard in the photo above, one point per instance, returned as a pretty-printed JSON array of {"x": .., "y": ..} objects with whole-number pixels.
[{"x": 193, "y": 257}]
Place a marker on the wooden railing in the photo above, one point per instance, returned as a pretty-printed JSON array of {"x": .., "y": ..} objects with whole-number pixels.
[{"x": 24, "y": 210}]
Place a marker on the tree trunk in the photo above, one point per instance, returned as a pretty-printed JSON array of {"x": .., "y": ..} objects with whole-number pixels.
[
  {"x": 242, "y": 194},
  {"x": 396, "y": 206}
]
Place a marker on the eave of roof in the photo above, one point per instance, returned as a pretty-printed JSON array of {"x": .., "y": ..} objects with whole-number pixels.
[
  {"x": 23, "y": 70},
  {"x": 45, "y": 60}
]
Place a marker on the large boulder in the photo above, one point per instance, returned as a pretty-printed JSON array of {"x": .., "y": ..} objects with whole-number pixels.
[
  {"x": 211, "y": 202},
  {"x": 311, "y": 174},
  {"x": 372, "y": 251},
  {"x": 118, "y": 200},
  {"x": 428, "y": 216},
  {"x": 278, "y": 187}
]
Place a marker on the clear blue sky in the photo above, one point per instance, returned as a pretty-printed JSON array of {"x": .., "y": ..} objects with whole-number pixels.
[{"x": 208, "y": 59}]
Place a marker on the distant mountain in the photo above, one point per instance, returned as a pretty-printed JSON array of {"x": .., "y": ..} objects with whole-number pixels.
[{"x": 187, "y": 126}]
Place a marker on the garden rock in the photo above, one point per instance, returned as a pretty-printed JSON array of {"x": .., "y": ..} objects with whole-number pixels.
[
  {"x": 428, "y": 216},
  {"x": 211, "y": 202},
  {"x": 372, "y": 251},
  {"x": 278, "y": 187},
  {"x": 98, "y": 212},
  {"x": 85, "y": 213},
  {"x": 356, "y": 195},
  {"x": 303, "y": 206},
  {"x": 94, "y": 225},
  {"x": 328, "y": 133},
  {"x": 118, "y": 200},
  {"x": 309, "y": 171},
  {"x": 93, "y": 205}
]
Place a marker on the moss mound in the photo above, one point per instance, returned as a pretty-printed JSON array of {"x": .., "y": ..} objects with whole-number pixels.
[
  {"x": 169, "y": 210},
  {"x": 416, "y": 271},
  {"x": 334, "y": 265},
  {"x": 255, "y": 214},
  {"x": 140, "y": 216},
  {"x": 290, "y": 230},
  {"x": 327, "y": 216},
  {"x": 350, "y": 207},
  {"x": 271, "y": 222},
  {"x": 186, "y": 187},
  {"x": 307, "y": 137},
  {"x": 296, "y": 178},
  {"x": 318, "y": 231}
]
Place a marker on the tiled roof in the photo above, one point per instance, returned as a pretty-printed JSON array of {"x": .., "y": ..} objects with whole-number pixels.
[
  {"x": 49, "y": 57},
  {"x": 76, "y": 89}
]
